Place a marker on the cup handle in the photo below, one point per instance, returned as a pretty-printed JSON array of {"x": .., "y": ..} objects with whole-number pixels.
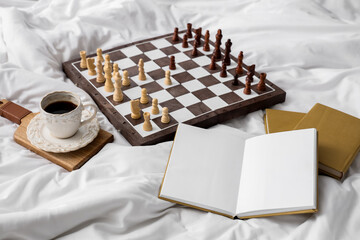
[{"x": 92, "y": 116}]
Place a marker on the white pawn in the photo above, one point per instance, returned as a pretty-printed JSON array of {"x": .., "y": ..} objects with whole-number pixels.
[
  {"x": 126, "y": 80},
  {"x": 118, "y": 95},
  {"x": 116, "y": 74},
  {"x": 155, "y": 108},
  {"x": 109, "y": 86},
  {"x": 167, "y": 78},
  {"x": 142, "y": 76},
  {"x": 107, "y": 62},
  {"x": 165, "y": 115},
  {"x": 99, "y": 55},
  {"x": 144, "y": 98},
  {"x": 99, "y": 68}
]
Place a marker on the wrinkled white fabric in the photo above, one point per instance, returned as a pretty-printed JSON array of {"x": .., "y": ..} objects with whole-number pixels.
[{"x": 310, "y": 48}]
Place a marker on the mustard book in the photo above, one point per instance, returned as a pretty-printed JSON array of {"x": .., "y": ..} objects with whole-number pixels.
[
  {"x": 240, "y": 176},
  {"x": 279, "y": 120}
]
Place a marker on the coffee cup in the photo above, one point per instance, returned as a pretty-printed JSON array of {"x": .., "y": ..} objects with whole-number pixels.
[{"x": 61, "y": 111}]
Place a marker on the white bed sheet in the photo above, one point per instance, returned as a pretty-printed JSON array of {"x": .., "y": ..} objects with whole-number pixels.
[{"x": 311, "y": 49}]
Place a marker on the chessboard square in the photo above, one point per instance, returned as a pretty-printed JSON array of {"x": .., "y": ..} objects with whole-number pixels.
[
  {"x": 176, "y": 71},
  {"x": 179, "y": 46},
  {"x": 189, "y": 54},
  {"x": 267, "y": 89},
  {"x": 244, "y": 96},
  {"x": 86, "y": 75},
  {"x": 133, "y": 93},
  {"x": 161, "y": 43},
  {"x": 198, "y": 108},
  {"x": 198, "y": 72},
  {"x": 155, "y": 54},
  {"x": 207, "y": 52},
  {"x": 193, "y": 85},
  {"x": 169, "y": 39},
  {"x": 215, "y": 103},
  {"x": 102, "y": 91},
  {"x": 143, "y": 133},
  {"x": 132, "y": 71},
  {"x": 125, "y": 63},
  {"x": 162, "y": 62},
  {"x": 180, "y": 57},
  {"x": 116, "y": 55},
  {"x": 132, "y": 84},
  {"x": 231, "y": 97},
  {"x": 188, "y": 99},
  {"x": 204, "y": 94},
  {"x": 172, "y": 105},
  {"x": 77, "y": 66},
  {"x": 156, "y": 74},
  {"x": 171, "y": 50},
  {"x": 124, "y": 108},
  {"x": 202, "y": 61},
  {"x": 177, "y": 91},
  {"x": 209, "y": 80},
  {"x": 187, "y": 65},
  {"x": 145, "y": 47},
  {"x": 219, "y": 89},
  {"x": 142, "y": 56},
  {"x": 150, "y": 66},
  {"x": 217, "y": 69},
  {"x": 162, "y": 96},
  {"x": 152, "y": 116},
  {"x": 182, "y": 115},
  {"x": 152, "y": 87},
  {"x": 146, "y": 105},
  {"x": 223, "y": 79},
  {"x": 161, "y": 82},
  {"x": 232, "y": 65},
  {"x": 135, "y": 122},
  {"x": 183, "y": 77},
  {"x": 131, "y": 51},
  {"x": 96, "y": 84},
  {"x": 142, "y": 82},
  {"x": 161, "y": 125},
  {"x": 114, "y": 103},
  {"x": 230, "y": 85}
]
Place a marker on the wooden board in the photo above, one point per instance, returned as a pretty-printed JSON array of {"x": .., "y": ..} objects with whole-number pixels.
[
  {"x": 198, "y": 96},
  {"x": 71, "y": 160}
]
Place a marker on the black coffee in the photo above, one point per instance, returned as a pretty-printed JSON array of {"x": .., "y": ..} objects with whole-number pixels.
[{"x": 60, "y": 107}]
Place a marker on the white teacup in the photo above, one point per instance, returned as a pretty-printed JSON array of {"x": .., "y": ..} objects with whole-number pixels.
[{"x": 61, "y": 111}]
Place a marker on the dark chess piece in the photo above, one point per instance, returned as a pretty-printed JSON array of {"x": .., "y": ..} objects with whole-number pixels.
[
  {"x": 217, "y": 51},
  {"x": 247, "y": 89},
  {"x": 261, "y": 85},
  {"x": 185, "y": 41},
  {"x": 188, "y": 31},
  {"x": 206, "y": 41},
  {"x": 239, "y": 69},
  {"x": 212, "y": 65},
  {"x": 198, "y": 36},
  {"x": 227, "y": 52},
  {"x": 194, "y": 52},
  {"x": 219, "y": 36},
  {"x": 251, "y": 70},
  {"x": 223, "y": 72},
  {"x": 249, "y": 76},
  {"x": 175, "y": 37},
  {"x": 172, "y": 65},
  {"x": 236, "y": 80}
]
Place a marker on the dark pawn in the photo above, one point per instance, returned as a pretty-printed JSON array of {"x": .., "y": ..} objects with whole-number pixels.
[
  {"x": 198, "y": 36},
  {"x": 247, "y": 89},
  {"x": 239, "y": 69},
  {"x": 172, "y": 65},
  {"x": 227, "y": 52},
  {"x": 206, "y": 41},
  {"x": 212, "y": 65},
  {"x": 185, "y": 41},
  {"x": 223, "y": 72},
  {"x": 236, "y": 80},
  {"x": 188, "y": 31},
  {"x": 261, "y": 85},
  {"x": 175, "y": 37},
  {"x": 194, "y": 52}
]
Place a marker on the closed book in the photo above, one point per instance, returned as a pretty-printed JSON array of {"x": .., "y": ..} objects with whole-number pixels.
[{"x": 279, "y": 120}]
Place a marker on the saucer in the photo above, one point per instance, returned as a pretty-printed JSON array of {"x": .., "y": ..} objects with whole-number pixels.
[{"x": 40, "y": 136}]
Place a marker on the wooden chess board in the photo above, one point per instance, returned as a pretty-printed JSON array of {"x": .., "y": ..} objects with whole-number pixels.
[{"x": 198, "y": 96}]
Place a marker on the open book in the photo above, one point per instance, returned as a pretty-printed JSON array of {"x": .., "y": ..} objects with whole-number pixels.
[{"x": 236, "y": 176}]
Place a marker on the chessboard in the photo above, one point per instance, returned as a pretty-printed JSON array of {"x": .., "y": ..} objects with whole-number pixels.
[{"x": 197, "y": 96}]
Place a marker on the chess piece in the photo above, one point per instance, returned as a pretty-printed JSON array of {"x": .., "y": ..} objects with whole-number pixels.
[
  {"x": 107, "y": 63},
  {"x": 144, "y": 98},
  {"x": 261, "y": 85},
  {"x": 212, "y": 65},
  {"x": 91, "y": 66},
  {"x": 147, "y": 124},
  {"x": 218, "y": 44},
  {"x": 227, "y": 52},
  {"x": 99, "y": 69},
  {"x": 142, "y": 76},
  {"x": 249, "y": 77},
  {"x": 185, "y": 41},
  {"x": 83, "y": 62},
  {"x": 99, "y": 54},
  {"x": 236, "y": 80},
  {"x": 126, "y": 80},
  {"x": 118, "y": 95},
  {"x": 188, "y": 31},
  {"x": 165, "y": 115},
  {"x": 219, "y": 36},
  {"x": 175, "y": 37},
  {"x": 109, "y": 86},
  {"x": 172, "y": 65},
  {"x": 194, "y": 52},
  {"x": 251, "y": 70},
  {"x": 155, "y": 108},
  {"x": 247, "y": 89},
  {"x": 167, "y": 78},
  {"x": 206, "y": 41},
  {"x": 116, "y": 74},
  {"x": 223, "y": 72},
  {"x": 198, "y": 36},
  {"x": 239, "y": 68},
  {"x": 135, "y": 109}
]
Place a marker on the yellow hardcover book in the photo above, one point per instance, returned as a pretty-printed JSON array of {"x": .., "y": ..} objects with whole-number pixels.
[
  {"x": 236, "y": 175},
  {"x": 279, "y": 120},
  {"x": 339, "y": 138}
]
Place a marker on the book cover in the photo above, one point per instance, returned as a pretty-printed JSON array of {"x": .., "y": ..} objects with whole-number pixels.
[{"x": 279, "y": 120}]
